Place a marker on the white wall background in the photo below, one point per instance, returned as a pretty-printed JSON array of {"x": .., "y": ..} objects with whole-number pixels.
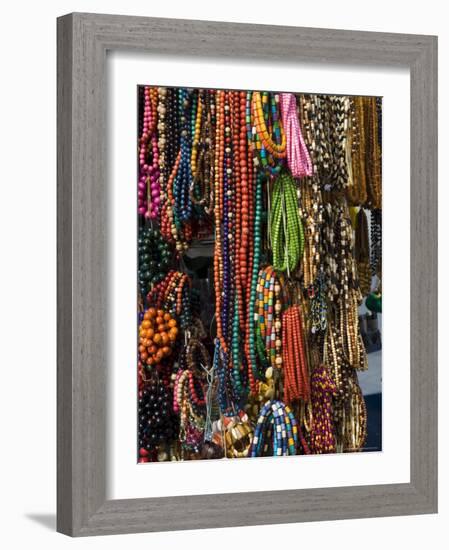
[{"x": 27, "y": 286}]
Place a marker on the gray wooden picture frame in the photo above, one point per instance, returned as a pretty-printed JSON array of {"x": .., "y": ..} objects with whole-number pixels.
[{"x": 83, "y": 40}]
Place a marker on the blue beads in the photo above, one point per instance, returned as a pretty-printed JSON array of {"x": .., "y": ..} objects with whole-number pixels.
[
  {"x": 276, "y": 423},
  {"x": 183, "y": 206}
]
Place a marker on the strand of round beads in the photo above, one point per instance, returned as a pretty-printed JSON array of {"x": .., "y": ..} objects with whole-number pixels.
[
  {"x": 162, "y": 142},
  {"x": 218, "y": 209},
  {"x": 323, "y": 388},
  {"x": 356, "y": 191},
  {"x": 148, "y": 186},
  {"x": 252, "y": 315},
  {"x": 254, "y": 231},
  {"x": 228, "y": 223},
  {"x": 238, "y": 131},
  {"x": 373, "y": 153},
  {"x": 298, "y": 157},
  {"x": 183, "y": 178}
]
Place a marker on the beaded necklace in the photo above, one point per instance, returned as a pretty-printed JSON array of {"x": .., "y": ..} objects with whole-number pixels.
[
  {"x": 296, "y": 371},
  {"x": 183, "y": 178},
  {"x": 338, "y": 108},
  {"x": 202, "y": 155},
  {"x": 286, "y": 231},
  {"x": 298, "y": 158},
  {"x": 148, "y": 185},
  {"x": 376, "y": 243},
  {"x": 218, "y": 205},
  {"x": 323, "y": 389},
  {"x": 253, "y": 371},
  {"x": 189, "y": 394},
  {"x": 154, "y": 256},
  {"x": 362, "y": 251},
  {"x": 237, "y": 436},
  {"x": 356, "y": 190},
  {"x": 173, "y": 294},
  {"x": 266, "y": 122},
  {"x": 276, "y": 428},
  {"x": 269, "y": 314},
  {"x": 373, "y": 153},
  {"x": 311, "y": 212}
]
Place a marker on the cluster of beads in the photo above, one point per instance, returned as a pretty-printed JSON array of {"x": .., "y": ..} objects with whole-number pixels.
[
  {"x": 157, "y": 335},
  {"x": 157, "y": 423},
  {"x": 154, "y": 256}
]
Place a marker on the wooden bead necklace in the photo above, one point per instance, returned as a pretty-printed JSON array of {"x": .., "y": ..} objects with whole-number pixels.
[
  {"x": 362, "y": 252},
  {"x": 373, "y": 154},
  {"x": 311, "y": 213},
  {"x": 376, "y": 243}
]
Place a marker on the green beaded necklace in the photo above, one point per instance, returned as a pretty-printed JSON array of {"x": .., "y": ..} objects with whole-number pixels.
[{"x": 286, "y": 231}]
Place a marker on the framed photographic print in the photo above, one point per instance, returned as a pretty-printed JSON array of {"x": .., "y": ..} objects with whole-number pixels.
[{"x": 247, "y": 278}]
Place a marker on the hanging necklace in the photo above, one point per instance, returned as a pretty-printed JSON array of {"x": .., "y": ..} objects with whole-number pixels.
[
  {"x": 148, "y": 185},
  {"x": 296, "y": 371},
  {"x": 362, "y": 251},
  {"x": 323, "y": 389},
  {"x": 266, "y": 122},
  {"x": 286, "y": 231},
  {"x": 276, "y": 432},
  {"x": 298, "y": 157}
]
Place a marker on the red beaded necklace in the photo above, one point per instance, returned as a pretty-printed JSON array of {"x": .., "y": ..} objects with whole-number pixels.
[{"x": 296, "y": 371}]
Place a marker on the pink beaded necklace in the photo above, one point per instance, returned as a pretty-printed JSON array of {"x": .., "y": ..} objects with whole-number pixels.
[
  {"x": 148, "y": 185},
  {"x": 298, "y": 157}
]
